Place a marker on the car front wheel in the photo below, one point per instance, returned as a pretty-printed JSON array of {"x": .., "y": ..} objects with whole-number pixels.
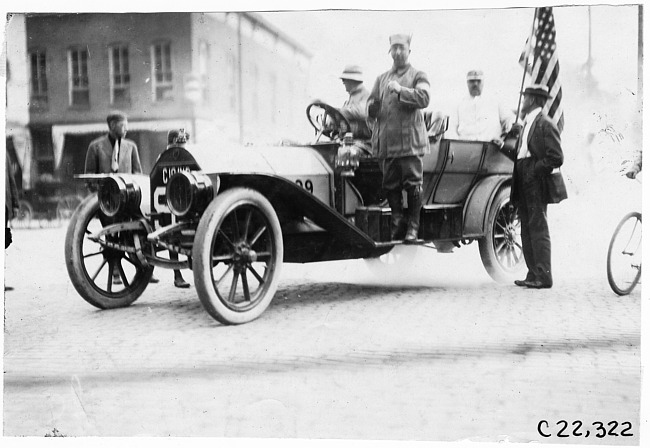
[
  {"x": 238, "y": 253},
  {"x": 500, "y": 248},
  {"x": 104, "y": 277}
]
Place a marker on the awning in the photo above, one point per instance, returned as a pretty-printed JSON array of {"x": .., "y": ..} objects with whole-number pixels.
[{"x": 59, "y": 131}]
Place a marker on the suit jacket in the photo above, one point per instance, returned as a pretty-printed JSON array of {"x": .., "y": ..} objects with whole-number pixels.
[
  {"x": 546, "y": 150},
  {"x": 100, "y": 152}
]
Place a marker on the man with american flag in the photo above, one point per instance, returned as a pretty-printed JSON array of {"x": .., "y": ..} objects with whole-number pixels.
[
  {"x": 539, "y": 154},
  {"x": 537, "y": 157}
]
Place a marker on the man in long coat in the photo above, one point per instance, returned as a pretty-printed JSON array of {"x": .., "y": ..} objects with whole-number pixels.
[{"x": 114, "y": 153}]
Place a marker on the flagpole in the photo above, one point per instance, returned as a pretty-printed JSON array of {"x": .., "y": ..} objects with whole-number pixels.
[{"x": 527, "y": 55}]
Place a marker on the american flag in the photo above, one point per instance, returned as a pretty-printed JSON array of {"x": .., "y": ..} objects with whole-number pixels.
[{"x": 545, "y": 67}]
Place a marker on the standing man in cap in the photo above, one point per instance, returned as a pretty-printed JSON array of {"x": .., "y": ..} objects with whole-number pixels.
[
  {"x": 114, "y": 153},
  {"x": 399, "y": 137},
  {"x": 176, "y": 138},
  {"x": 538, "y": 155},
  {"x": 481, "y": 117}
]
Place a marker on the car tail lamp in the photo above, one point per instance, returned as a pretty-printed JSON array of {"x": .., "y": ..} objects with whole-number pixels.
[
  {"x": 118, "y": 195},
  {"x": 188, "y": 192}
]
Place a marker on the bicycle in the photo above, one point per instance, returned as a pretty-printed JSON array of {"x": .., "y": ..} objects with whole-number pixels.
[{"x": 624, "y": 254}]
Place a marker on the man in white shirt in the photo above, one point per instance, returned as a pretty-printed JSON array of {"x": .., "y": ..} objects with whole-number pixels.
[{"x": 480, "y": 117}]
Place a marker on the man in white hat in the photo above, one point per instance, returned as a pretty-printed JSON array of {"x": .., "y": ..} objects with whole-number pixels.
[
  {"x": 354, "y": 109},
  {"x": 479, "y": 116},
  {"x": 539, "y": 154},
  {"x": 399, "y": 137}
]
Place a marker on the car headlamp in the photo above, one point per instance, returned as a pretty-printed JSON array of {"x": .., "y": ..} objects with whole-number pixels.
[
  {"x": 188, "y": 192},
  {"x": 118, "y": 195}
]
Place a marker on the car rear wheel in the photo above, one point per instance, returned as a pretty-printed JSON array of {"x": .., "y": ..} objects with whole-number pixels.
[
  {"x": 94, "y": 269},
  {"x": 238, "y": 253},
  {"x": 500, "y": 248}
]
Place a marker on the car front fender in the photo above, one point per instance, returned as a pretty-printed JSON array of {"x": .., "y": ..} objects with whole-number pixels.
[{"x": 292, "y": 201}]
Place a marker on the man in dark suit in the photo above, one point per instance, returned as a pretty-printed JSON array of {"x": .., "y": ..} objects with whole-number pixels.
[
  {"x": 114, "y": 153},
  {"x": 538, "y": 155}
]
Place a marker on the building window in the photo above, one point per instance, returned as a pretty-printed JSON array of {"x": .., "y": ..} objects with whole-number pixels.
[
  {"x": 204, "y": 57},
  {"x": 38, "y": 78},
  {"x": 120, "y": 78},
  {"x": 163, "y": 87},
  {"x": 79, "y": 91}
]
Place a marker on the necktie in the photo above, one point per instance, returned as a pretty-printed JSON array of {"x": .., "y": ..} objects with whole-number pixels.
[{"x": 114, "y": 160}]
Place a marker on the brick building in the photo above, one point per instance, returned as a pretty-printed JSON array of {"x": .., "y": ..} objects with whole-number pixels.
[{"x": 224, "y": 76}]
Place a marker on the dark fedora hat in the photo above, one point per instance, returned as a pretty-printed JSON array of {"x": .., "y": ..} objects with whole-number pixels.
[{"x": 537, "y": 90}]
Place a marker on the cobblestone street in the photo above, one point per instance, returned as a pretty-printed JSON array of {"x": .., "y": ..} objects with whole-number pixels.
[{"x": 435, "y": 352}]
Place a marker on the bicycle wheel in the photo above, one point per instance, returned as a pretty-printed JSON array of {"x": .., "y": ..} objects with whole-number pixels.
[{"x": 624, "y": 255}]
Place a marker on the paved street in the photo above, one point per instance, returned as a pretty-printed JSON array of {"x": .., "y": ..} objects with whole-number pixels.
[{"x": 437, "y": 351}]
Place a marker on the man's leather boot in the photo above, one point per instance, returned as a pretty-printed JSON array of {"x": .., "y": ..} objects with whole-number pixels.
[
  {"x": 415, "y": 205},
  {"x": 398, "y": 223}
]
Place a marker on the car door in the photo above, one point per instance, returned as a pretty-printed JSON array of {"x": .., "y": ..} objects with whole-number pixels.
[{"x": 458, "y": 166}]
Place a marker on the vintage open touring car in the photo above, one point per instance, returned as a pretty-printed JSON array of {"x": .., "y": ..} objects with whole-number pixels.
[{"x": 235, "y": 215}]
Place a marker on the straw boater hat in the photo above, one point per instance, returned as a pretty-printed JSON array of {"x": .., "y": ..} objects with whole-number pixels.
[
  {"x": 537, "y": 90},
  {"x": 352, "y": 72}
]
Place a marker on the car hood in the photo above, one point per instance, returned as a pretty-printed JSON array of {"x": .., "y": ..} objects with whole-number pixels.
[{"x": 275, "y": 160}]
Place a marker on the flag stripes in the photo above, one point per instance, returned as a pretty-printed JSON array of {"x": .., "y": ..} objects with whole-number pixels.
[{"x": 545, "y": 66}]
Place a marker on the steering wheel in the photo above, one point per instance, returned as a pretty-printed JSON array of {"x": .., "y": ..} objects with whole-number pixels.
[{"x": 327, "y": 120}]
